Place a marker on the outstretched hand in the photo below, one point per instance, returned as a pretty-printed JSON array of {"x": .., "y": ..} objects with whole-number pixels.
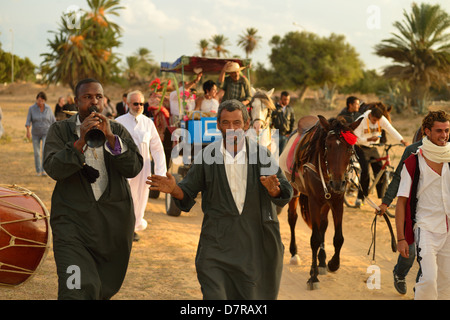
[
  {"x": 272, "y": 184},
  {"x": 165, "y": 184}
]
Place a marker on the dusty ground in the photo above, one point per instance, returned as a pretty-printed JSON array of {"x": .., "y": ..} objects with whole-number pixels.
[{"x": 162, "y": 262}]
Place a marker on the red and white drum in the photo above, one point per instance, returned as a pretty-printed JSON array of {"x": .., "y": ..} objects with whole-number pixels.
[{"x": 24, "y": 234}]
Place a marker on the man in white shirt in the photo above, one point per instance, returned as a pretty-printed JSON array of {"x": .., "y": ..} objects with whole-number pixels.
[
  {"x": 425, "y": 186},
  {"x": 146, "y": 137},
  {"x": 369, "y": 133}
]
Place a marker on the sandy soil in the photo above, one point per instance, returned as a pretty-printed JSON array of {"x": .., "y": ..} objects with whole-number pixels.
[{"x": 162, "y": 262}]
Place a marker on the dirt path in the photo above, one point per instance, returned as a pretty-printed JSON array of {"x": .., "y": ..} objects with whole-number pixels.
[{"x": 162, "y": 262}]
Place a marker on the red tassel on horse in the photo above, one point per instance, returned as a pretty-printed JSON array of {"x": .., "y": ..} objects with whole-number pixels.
[{"x": 349, "y": 137}]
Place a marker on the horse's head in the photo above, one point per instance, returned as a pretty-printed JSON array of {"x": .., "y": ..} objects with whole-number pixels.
[
  {"x": 336, "y": 150},
  {"x": 261, "y": 107}
]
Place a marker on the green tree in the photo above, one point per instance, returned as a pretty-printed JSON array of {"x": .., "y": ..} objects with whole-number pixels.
[
  {"x": 24, "y": 69},
  {"x": 249, "y": 41},
  {"x": 302, "y": 59},
  {"x": 203, "y": 45},
  {"x": 140, "y": 67},
  {"x": 87, "y": 51},
  {"x": 420, "y": 51},
  {"x": 219, "y": 42}
]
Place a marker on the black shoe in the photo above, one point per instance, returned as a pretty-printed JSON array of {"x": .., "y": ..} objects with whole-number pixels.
[
  {"x": 400, "y": 284},
  {"x": 136, "y": 237}
]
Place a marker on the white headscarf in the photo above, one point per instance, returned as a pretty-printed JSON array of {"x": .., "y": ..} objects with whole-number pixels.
[{"x": 434, "y": 152}]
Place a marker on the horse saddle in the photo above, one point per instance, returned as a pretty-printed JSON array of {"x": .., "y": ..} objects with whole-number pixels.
[{"x": 295, "y": 156}]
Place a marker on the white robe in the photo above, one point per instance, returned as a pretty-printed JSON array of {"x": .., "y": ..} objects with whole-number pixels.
[{"x": 146, "y": 137}]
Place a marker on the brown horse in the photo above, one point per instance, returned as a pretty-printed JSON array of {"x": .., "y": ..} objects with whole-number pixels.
[{"x": 320, "y": 164}]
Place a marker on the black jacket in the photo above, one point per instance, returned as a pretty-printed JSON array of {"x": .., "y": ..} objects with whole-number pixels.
[{"x": 284, "y": 122}]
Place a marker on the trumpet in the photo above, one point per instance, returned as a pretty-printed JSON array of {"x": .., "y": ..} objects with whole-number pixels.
[{"x": 95, "y": 137}]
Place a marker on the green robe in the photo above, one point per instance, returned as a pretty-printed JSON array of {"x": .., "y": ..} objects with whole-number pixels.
[
  {"x": 94, "y": 237},
  {"x": 239, "y": 256}
]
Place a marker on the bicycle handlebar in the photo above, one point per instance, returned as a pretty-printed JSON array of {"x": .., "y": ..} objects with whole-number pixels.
[{"x": 387, "y": 146}]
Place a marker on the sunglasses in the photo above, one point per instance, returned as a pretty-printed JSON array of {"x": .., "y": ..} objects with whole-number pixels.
[{"x": 138, "y": 104}]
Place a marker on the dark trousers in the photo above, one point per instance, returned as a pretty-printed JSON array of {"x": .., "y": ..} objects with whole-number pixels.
[{"x": 365, "y": 156}]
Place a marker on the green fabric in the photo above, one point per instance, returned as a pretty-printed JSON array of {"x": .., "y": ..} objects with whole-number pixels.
[
  {"x": 94, "y": 235},
  {"x": 239, "y": 90},
  {"x": 238, "y": 256}
]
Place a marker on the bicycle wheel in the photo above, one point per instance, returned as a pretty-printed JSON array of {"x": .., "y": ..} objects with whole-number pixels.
[{"x": 352, "y": 187}]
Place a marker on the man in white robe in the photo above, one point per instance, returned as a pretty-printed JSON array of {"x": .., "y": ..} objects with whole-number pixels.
[{"x": 146, "y": 137}]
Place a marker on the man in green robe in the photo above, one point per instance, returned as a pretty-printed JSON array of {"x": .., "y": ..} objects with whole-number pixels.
[
  {"x": 240, "y": 252},
  {"x": 92, "y": 216}
]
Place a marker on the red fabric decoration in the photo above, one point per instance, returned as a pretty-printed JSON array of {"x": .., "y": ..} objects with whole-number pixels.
[
  {"x": 349, "y": 137},
  {"x": 163, "y": 110}
]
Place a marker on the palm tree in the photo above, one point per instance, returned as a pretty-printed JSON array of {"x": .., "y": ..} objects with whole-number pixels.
[
  {"x": 132, "y": 71},
  {"x": 219, "y": 42},
  {"x": 421, "y": 51},
  {"x": 204, "y": 47},
  {"x": 249, "y": 41},
  {"x": 100, "y": 9},
  {"x": 87, "y": 51},
  {"x": 145, "y": 55}
]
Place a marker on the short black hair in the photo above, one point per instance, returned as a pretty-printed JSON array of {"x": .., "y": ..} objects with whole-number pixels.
[
  {"x": 208, "y": 85},
  {"x": 376, "y": 112},
  {"x": 41, "y": 95},
  {"x": 351, "y": 100},
  {"x": 83, "y": 82},
  {"x": 232, "y": 105},
  {"x": 284, "y": 94}
]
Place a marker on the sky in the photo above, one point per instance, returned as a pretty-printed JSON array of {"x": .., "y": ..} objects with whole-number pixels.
[{"x": 172, "y": 28}]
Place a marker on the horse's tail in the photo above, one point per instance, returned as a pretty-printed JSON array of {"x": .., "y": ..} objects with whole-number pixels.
[{"x": 303, "y": 199}]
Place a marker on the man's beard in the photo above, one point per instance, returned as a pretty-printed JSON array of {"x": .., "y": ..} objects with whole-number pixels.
[{"x": 134, "y": 113}]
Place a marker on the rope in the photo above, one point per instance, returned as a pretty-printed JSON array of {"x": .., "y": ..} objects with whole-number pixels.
[{"x": 29, "y": 243}]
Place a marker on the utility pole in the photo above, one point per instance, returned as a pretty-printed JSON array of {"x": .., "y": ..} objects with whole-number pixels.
[{"x": 12, "y": 55}]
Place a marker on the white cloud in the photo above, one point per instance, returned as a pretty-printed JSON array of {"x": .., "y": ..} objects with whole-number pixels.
[
  {"x": 143, "y": 15},
  {"x": 200, "y": 28}
]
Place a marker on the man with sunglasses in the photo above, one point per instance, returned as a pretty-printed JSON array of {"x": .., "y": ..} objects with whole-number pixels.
[{"x": 147, "y": 139}]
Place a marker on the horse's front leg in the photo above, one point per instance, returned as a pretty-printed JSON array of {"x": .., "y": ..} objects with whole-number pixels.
[
  {"x": 292, "y": 220},
  {"x": 338, "y": 240},
  {"x": 323, "y": 228},
  {"x": 313, "y": 281},
  {"x": 315, "y": 242}
]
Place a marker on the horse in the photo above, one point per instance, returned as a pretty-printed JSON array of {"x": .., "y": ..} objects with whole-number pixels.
[
  {"x": 320, "y": 156},
  {"x": 260, "y": 108}
]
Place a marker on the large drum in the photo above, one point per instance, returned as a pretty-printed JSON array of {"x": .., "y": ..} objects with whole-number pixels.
[{"x": 24, "y": 235}]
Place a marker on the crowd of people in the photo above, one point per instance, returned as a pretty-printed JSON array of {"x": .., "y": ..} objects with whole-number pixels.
[{"x": 117, "y": 177}]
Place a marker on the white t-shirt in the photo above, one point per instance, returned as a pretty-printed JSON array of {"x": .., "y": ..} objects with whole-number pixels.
[
  {"x": 433, "y": 196},
  {"x": 367, "y": 129}
]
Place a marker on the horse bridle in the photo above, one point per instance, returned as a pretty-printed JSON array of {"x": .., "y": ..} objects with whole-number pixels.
[
  {"x": 325, "y": 189},
  {"x": 265, "y": 122}
]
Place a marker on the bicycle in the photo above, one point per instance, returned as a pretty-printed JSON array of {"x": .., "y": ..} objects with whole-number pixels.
[{"x": 353, "y": 185}]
